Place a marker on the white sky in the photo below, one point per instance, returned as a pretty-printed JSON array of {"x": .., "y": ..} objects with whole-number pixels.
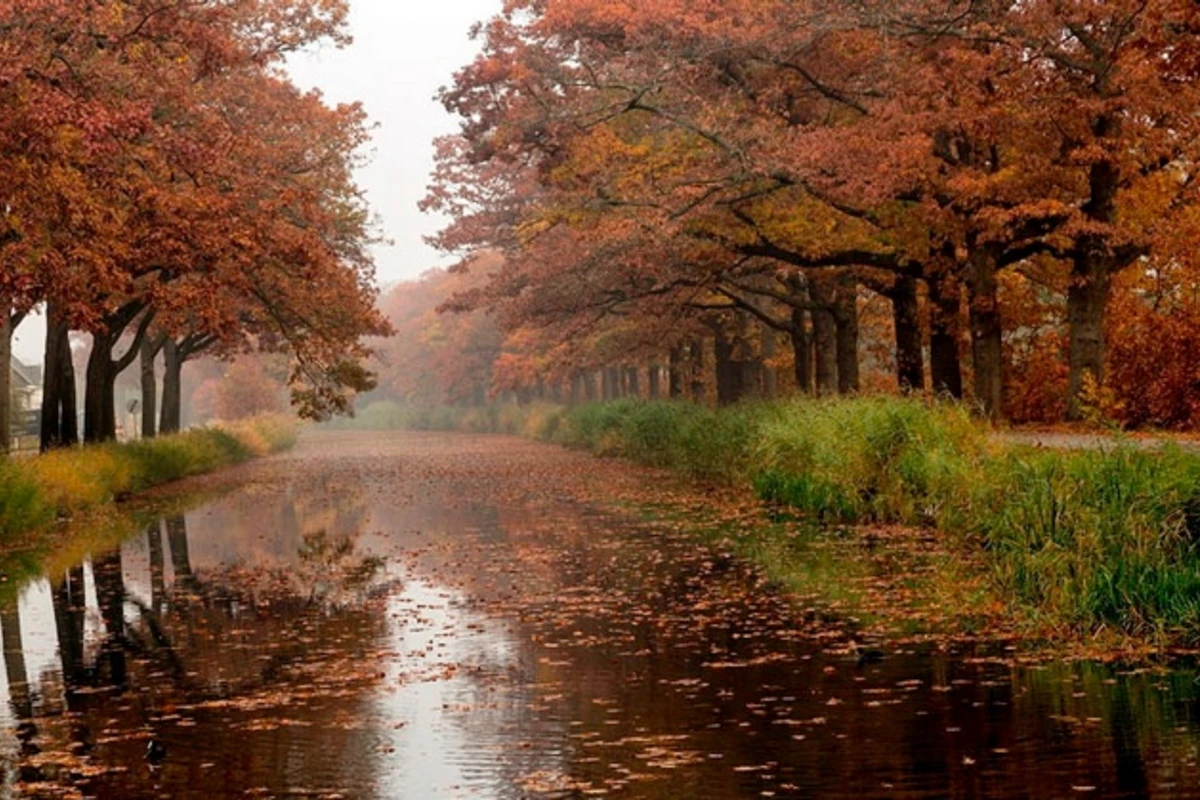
[{"x": 403, "y": 51}]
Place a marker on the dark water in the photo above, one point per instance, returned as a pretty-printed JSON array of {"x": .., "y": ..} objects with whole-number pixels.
[{"x": 326, "y": 637}]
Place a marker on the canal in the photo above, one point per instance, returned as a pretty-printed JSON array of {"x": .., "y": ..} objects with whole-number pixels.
[{"x": 413, "y": 615}]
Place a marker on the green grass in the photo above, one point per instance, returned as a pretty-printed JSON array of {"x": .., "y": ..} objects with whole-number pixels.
[{"x": 37, "y": 491}]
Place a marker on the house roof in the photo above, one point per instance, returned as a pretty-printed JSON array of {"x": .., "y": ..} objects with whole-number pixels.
[{"x": 25, "y": 375}]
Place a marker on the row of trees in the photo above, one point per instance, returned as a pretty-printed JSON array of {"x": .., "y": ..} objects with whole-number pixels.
[
  {"x": 644, "y": 176},
  {"x": 165, "y": 189}
]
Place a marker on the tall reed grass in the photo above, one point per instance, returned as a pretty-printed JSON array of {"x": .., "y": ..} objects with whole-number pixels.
[{"x": 36, "y": 491}]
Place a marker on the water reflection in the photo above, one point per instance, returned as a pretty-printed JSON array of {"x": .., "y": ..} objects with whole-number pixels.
[{"x": 341, "y": 638}]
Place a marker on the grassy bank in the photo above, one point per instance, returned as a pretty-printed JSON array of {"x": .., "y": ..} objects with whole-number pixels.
[
  {"x": 1079, "y": 540},
  {"x": 37, "y": 491}
]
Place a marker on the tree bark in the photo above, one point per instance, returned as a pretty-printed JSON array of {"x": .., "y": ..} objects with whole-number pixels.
[
  {"x": 99, "y": 401},
  {"x": 802, "y": 351},
  {"x": 945, "y": 300},
  {"x": 633, "y": 382},
  {"x": 906, "y": 321},
  {"x": 1087, "y": 302},
  {"x": 730, "y": 372},
  {"x": 654, "y": 382},
  {"x": 987, "y": 351},
  {"x": 172, "y": 389},
  {"x": 845, "y": 316},
  {"x": 825, "y": 345},
  {"x": 60, "y": 422},
  {"x": 675, "y": 373},
  {"x": 150, "y": 349}
]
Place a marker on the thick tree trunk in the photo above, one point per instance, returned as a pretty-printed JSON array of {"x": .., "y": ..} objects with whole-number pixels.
[
  {"x": 802, "y": 351},
  {"x": 729, "y": 371},
  {"x": 769, "y": 349},
  {"x": 675, "y": 373},
  {"x": 172, "y": 389},
  {"x": 987, "y": 345},
  {"x": 150, "y": 348},
  {"x": 6, "y": 410},
  {"x": 846, "y": 319},
  {"x": 99, "y": 400},
  {"x": 654, "y": 382},
  {"x": 749, "y": 361},
  {"x": 945, "y": 300},
  {"x": 825, "y": 345},
  {"x": 60, "y": 423},
  {"x": 1087, "y": 302},
  {"x": 906, "y": 321}
]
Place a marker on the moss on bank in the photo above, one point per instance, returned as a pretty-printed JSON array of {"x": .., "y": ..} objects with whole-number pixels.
[
  {"x": 1085, "y": 540},
  {"x": 37, "y": 491}
]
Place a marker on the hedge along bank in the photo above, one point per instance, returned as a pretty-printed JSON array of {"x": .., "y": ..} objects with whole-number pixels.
[{"x": 37, "y": 491}]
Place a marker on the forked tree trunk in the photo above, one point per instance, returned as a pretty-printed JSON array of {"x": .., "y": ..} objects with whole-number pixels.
[{"x": 906, "y": 321}]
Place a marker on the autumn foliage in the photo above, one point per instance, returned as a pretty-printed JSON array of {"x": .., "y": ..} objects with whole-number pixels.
[
  {"x": 750, "y": 197},
  {"x": 165, "y": 185}
]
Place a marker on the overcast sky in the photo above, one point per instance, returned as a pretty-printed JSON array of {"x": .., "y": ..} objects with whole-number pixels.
[{"x": 403, "y": 52}]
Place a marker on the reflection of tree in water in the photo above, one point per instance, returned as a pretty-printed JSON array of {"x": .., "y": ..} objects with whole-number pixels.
[{"x": 232, "y": 641}]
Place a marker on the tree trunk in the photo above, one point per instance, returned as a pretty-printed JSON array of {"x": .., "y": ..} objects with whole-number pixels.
[
  {"x": 730, "y": 372},
  {"x": 945, "y": 299},
  {"x": 802, "y": 351},
  {"x": 99, "y": 400},
  {"x": 986, "y": 333},
  {"x": 769, "y": 349},
  {"x": 6, "y": 410},
  {"x": 1087, "y": 302},
  {"x": 696, "y": 385},
  {"x": 633, "y": 381},
  {"x": 906, "y": 321},
  {"x": 150, "y": 348},
  {"x": 846, "y": 319},
  {"x": 60, "y": 423},
  {"x": 654, "y": 382},
  {"x": 172, "y": 389},
  {"x": 675, "y": 373},
  {"x": 825, "y": 345}
]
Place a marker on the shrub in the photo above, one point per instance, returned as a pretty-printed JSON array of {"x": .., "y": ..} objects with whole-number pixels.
[{"x": 34, "y": 492}]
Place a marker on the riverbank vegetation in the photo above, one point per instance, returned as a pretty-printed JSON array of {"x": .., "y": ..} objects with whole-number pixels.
[
  {"x": 37, "y": 491},
  {"x": 1076, "y": 541}
]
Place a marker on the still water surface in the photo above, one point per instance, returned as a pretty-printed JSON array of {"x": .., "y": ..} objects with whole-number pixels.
[{"x": 379, "y": 621}]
